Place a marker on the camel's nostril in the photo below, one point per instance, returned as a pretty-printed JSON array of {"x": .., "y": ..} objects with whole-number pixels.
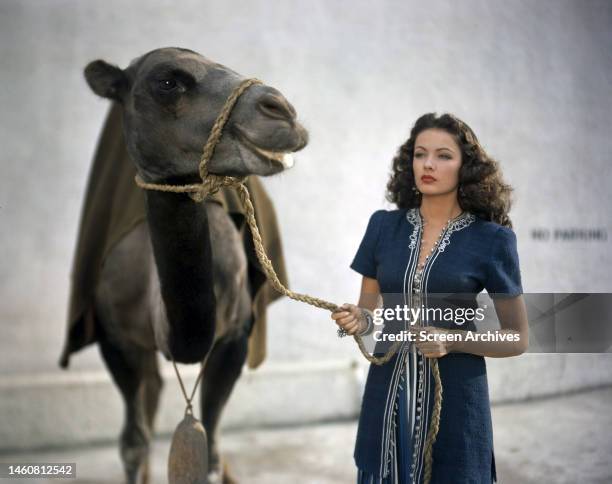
[
  {"x": 276, "y": 107},
  {"x": 272, "y": 108}
]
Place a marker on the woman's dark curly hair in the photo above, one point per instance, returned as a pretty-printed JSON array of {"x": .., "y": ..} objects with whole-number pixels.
[{"x": 482, "y": 189}]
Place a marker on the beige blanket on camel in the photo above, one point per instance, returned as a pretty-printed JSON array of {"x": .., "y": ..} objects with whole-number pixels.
[{"x": 114, "y": 205}]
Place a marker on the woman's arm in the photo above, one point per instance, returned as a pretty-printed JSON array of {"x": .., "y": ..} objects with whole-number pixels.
[
  {"x": 370, "y": 293},
  {"x": 351, "y": 318},
  {"x": 512, "y": 315}
]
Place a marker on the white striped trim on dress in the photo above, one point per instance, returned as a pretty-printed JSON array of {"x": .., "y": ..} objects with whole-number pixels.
[{"x": 423, "y": 416}]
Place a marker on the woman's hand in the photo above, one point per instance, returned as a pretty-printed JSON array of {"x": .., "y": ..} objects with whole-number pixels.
[
  {"x": 431, "y": 346},
  {"x": 350, "y": 318}
]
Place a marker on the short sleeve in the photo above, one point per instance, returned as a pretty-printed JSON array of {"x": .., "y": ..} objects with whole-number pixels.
[
  {"x": 364, "y": 261},
  {"x": 504, "y": 273}
]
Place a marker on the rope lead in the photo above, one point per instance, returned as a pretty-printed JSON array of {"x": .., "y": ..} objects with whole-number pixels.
[{"x": 213, "y": 183}]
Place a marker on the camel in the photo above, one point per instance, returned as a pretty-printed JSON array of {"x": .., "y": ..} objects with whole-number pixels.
[{"x": 178, "y": 283}]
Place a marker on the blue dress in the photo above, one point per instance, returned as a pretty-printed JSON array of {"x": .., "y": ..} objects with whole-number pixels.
[{"x": 472, "y": 255}]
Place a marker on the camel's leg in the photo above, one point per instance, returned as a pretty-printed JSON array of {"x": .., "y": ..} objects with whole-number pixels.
[
  {"x": 153, "y": 387},
  {"x": 223, "y": 368},
  {"x": 137, "y": 376}
]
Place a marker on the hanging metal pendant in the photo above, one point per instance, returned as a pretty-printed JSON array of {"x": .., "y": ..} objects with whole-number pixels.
[{"x": 188, "y": 459}]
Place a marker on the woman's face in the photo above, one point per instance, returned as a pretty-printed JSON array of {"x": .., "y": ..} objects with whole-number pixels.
[{"x": 436, "y": 162}]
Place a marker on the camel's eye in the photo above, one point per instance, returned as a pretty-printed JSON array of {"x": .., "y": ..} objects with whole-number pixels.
[{"x": 168, "y": 85}]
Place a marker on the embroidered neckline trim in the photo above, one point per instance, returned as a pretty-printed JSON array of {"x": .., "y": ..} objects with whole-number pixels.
[
  {"x": 413, "y": 215},
  {"x": 460, "y": 222}
]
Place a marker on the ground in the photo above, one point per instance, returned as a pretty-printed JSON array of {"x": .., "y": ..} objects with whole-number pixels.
[{"x": 565, "y": 439}]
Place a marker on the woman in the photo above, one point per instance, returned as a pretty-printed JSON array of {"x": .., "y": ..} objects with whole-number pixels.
[{"x": 450, "y": 234}]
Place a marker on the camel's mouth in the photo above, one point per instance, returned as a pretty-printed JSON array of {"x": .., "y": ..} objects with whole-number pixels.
[
  {"x": 284, "y": 158},
  {"x": 279, "y": 160}
]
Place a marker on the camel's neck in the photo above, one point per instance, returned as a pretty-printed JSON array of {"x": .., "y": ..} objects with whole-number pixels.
[{"x": 183, "y": 256}]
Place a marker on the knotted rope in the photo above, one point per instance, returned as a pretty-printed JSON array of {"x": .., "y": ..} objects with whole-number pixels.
[{"x": 211, "y": 184}]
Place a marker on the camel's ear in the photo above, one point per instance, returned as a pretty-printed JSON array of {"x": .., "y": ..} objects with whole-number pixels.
[{"x": 106, "y": 80}]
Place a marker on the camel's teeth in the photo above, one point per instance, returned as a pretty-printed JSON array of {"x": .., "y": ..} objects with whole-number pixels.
[{"x": 287, "y": 160}]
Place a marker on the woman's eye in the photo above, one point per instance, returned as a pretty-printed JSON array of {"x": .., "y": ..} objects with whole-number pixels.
[
  {"x": 418, "y": 155},
  {"x": 446, "y": 157},
  {"x": 167, "y": 84}
]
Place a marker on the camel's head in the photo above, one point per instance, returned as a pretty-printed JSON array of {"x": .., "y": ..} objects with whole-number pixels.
[{"x": 171, "y": 98}]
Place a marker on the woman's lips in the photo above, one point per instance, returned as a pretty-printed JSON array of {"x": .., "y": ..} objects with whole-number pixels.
[{"x": 427, "y": 179}]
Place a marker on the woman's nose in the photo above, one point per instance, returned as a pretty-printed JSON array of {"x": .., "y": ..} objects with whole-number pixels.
[{"x": 429, "y": 163}]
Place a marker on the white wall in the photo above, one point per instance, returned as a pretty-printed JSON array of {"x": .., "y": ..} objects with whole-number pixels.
[{"x": 531, "y": 77}]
